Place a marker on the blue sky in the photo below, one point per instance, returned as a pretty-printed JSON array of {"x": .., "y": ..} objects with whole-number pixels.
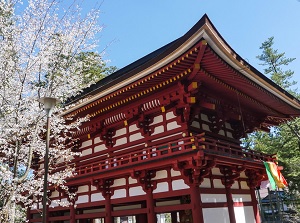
[{"x": 134, "y": 28}]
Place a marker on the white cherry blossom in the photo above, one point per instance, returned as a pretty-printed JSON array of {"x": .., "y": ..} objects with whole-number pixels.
[{"x": 39, "y": 42}]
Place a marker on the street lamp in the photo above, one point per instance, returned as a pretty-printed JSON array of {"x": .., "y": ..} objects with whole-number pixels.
[{"x": 49, "y": 104}]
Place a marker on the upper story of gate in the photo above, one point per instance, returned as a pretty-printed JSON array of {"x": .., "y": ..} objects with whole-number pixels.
[{"x": 196, "y": 84}]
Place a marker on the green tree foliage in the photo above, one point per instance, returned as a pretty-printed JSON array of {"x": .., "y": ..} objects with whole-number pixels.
[
  {"x": 283, "y": 140},
  {"x": 274, "y": 61},
  {"x": 45, "y": 50},
  {"x": 94, "y": 67}
]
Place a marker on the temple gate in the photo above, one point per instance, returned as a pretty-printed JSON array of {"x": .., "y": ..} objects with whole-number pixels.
[{"x": 163, "y": 140}]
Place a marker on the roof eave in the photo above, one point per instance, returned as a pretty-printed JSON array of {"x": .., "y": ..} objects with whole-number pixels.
[
  {"x": 220, "y": 46},
  {"x": 203, "y": 29}
]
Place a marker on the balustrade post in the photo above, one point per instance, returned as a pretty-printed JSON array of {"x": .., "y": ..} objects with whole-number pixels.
[
  {"x": 228, "y": 180},
  {"x": 254, "y": 179},
  {"x": 108, "y": 209},
  {"x": 72, "y": 214},
  {"x": 104, "y": 186},
  {"x": 230, "y": 204},
  {"x": 255, "y": 205},
  {"x": 144, "y": 178},
  {"x": 151, "y": 216},
  {"x": 196, "y": 203},
  {"x": 197, "y": 171}
]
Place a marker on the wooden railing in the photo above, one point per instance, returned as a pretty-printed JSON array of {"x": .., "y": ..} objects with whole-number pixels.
[
  {"x": 183, "y": 145},
  {"x": 150, "y": 153},
  {"x": 213, "y": 146}
]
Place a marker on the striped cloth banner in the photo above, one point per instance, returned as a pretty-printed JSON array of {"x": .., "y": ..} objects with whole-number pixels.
[{"x": 274, "y": 175}]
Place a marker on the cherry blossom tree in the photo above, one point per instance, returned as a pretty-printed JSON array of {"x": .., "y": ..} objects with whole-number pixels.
[{"x": 39, "y": 47}]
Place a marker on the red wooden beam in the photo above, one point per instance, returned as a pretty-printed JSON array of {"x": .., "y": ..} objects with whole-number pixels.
[
  {"x": 90, "y": 215},
  {"x": 169, "y": 208},
  {"x": 196, "y": 67},
  {"x": 192, "y": 86},
  {"x": 129, "y": 212},
  {"x": 207, "y": 105}
]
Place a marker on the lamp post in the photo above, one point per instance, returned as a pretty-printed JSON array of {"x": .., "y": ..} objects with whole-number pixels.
[{"x": 49, "y": 104}]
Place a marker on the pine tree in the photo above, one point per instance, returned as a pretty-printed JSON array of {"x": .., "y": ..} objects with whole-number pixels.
[
  {"x": 274, "y": 62},
  {"x": 283, "y": 140}
]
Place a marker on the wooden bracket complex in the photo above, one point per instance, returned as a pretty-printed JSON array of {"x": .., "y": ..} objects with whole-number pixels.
[
  {"x": 195, "y": 169},
  {"x": 104, "y": 186},
  {"x": 230, "y": 174},
  {"x": 144, "y": 178},
  {"x": 254, "y": 178}
]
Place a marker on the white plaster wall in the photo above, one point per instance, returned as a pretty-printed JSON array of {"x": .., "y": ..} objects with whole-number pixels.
[
  {"x": 82, "y": 189},
  {"x": 242, "y": 174},
  {"x": 172, "y": 125},
  {"x": 218, "y": 183},
  {"x": 120, "y": 132},
  {"x": 82, "y": 199},
  {"x": 229, "y": 134},
  {"x": 132, "y": 181},
  {"x": 158, "y": 129},
  {"x": 213, "y": 198},
  {"x": 196, "y": 124},
  {"x": 135, "y": 136},
  {"x": 206, "y": 183},
  {"x": 54, "y": 194},
  {"x": 205, "y": 127},
  {"x": 157, "y": 119},
  {"x": 161, "y": 175},
  {"x": 135, "y": 191},
  {"x": 241, "y": 197},
  {"x": 97, "y": 140},
  {"x": 119, "y": 193},
  {"x": 244, "y": 214},
  {"x": 100, "y": 148},
  {"x": 216, "y": 171},
  {"x": 121, "y": 141},
  {"x": 235, "y": 185},
  {"x": 170, "y": 115},
  {"x": 86, "y": 143},
  {"x": 119, "y": 182},
  {"x": 179, "y": 185},
  {"x": 221, "y": 132},
  {"x": 97, "y": 197},
  {"x": 175, "y": 173},
  {"x": 204, "y": 117},
  {"x": 86, "y": 152},
  {"x": 228, "y": 126},
  {"x": 244, "y": 185},
  {"x": 161, "y": 187},
  {"x": 133, "y": 128},
  {"x": 216, "y": 215}
]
